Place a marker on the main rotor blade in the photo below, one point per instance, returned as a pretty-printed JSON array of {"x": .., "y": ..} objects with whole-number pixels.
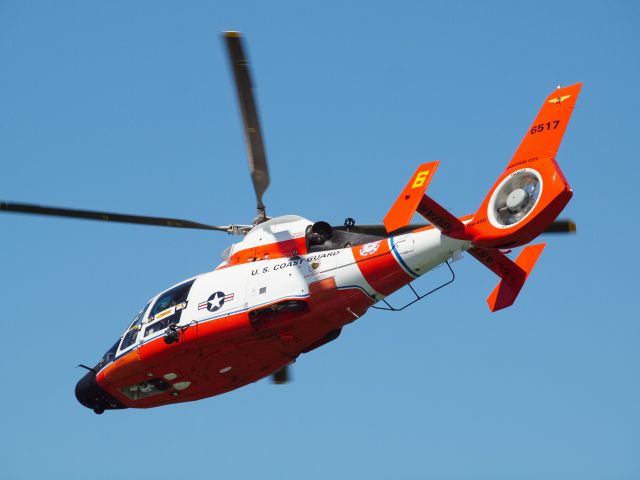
[
  {"x": 562, "y": 226},
  {"x": 107, "y": 216},
  {"x": 378, "y": 229},
  {"x": 252, "y": 132},
  {"x": 559, "y": 226},
  {"x": 281, "y": 376}
]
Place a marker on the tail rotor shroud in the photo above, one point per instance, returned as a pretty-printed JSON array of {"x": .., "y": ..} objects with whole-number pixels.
[{"x": 515, "y": 198}]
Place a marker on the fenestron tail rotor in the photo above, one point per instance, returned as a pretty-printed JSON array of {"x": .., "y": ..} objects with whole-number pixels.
[
  {"x": 252, "y": 132},
  {"x": 516, "y": 198}
]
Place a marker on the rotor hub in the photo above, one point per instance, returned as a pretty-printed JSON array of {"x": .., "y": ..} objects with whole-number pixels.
[{"x": 516, "y": 200}]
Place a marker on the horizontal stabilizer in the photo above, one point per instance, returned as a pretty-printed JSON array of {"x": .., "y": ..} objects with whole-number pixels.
[
  {"x": 512, "y": 274},
  {"x": 441, "y": 218},
  {"x": 405, "y": 206}
]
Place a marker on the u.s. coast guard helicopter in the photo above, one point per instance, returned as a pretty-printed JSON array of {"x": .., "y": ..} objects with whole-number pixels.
[{"x": 291, "y": 284}]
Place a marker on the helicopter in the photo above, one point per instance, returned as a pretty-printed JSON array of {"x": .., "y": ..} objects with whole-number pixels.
[{"x": 290, "y": 285}]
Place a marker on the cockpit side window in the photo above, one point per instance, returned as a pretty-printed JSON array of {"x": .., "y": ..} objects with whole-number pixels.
[
  {"x": 132, "y": 332},
  {"x": 168, "y": 308},
  {"x": 109, "y": 355},
  {"x": 130, "y": 337}
]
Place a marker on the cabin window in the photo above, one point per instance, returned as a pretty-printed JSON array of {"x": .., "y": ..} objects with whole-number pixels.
[
  {"x": 132, "y": 332},
  {"x": 168, "y": 308}
]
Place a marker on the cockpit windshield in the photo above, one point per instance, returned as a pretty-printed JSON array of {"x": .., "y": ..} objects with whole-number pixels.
[
  {"x": 129, "y": 338},
  {"x": 165, "y": 311},
  {"x": 168, "y": 308}
]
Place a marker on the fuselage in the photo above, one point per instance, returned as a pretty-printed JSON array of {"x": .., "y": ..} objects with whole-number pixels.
[{"x": 278, "y": 293}]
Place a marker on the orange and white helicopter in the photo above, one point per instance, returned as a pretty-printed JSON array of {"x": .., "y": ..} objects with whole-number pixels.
[{"x": 290, "y": 285}]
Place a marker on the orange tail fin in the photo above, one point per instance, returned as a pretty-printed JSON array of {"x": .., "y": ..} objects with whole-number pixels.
[
  {"x": 512, "y": 274},
  {"x": 532, "y": 191},
  {"x": 405, "y": 206}
]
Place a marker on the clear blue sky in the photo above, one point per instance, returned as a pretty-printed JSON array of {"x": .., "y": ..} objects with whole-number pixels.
[{"x": 129, "y": 106}]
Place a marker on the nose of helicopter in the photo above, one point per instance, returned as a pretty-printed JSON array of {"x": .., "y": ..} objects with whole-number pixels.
[{"x": 91, "y": 395}]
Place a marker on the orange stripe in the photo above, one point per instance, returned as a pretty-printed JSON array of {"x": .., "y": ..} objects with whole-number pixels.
[
  {"x": 380, "y": 268},
  {"x": 284, "y": 249}
]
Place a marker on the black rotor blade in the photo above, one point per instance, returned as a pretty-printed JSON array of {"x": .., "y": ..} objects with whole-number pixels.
[
  {"x": 562, "y": 226},
  {"x": 105, "y": 216},
  {"x": 252, "y": 132},
  {"x": 378, "y": 229},
  {"x": 559, "y": 226},
  {"x": 281, "y": 376}
]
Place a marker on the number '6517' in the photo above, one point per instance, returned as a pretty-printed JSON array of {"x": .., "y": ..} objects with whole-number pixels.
[{"x": 541, "y": 127}]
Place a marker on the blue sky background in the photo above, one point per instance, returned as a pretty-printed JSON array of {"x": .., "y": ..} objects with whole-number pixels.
[{"x": 129, "y": 107}]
